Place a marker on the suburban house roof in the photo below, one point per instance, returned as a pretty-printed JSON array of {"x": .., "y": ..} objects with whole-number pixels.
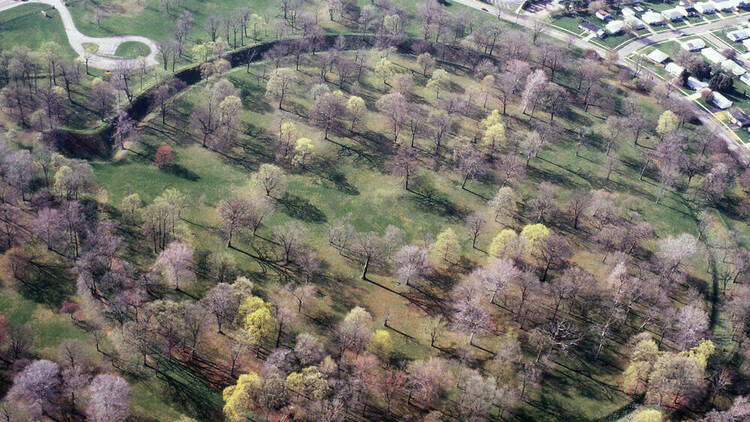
[
  {"x": 635, "y": 22},
  {"x": 614, "y": 27},
  {"x": 695, "y": 84},
  {"x": 602, "y": 14},
  {"x": 733, "y": 67},
  {"x": 657, "y": 56},
  {"x": 721, "y": 101},
  {"x": 588, "y": 26},
  {"x": 653, "y": 18},
  {"x": 674, "y": 14},
  {"x": 627, "y": 12},
  {"x": 694, "y": 44},
  {"x": 705, "y": 7},
  {"x": 712, "y": 55},
  {"x": 674, "y": 68},
  {"x": 738, "y": 35},
  {"x": 725, "y": 5}
]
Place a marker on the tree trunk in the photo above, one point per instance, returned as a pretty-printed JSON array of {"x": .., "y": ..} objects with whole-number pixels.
[{"x": 364, "y": 270}]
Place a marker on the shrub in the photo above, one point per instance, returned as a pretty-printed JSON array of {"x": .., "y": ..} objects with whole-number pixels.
[{"x": 164, "y": 156}]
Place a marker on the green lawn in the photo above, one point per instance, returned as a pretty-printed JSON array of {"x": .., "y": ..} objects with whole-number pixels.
[
  {"x": 132, "y": 49},
  {"x": 353, "y": 181},
  {"x": 569, "y": 23},
  {"x": 660, "y": 6},
  {"x": 712, "y": 17},
  {"x": 25, "y": 25},
  {"x": 679, "y": 24},
  {"x": 612, "y": 41}
]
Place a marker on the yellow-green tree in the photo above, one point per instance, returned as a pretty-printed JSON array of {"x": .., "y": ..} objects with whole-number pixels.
[
  {"x": 493, "y": 118},
  {"x": 445, "y": 249},
  {"x": 357, "y": 109},
  {"x": 310, "y": 383},
  {"x": 668, "y": 123},
  {"x": 392, "y": 24},
  {"x": 239, "y": 397},
  {"x": 131, "y": 204},
  {"x": 493, "y": 136},
  {"x": 505, "y": 244},
  {"x": 648, "y": 415},
  {"x": 533, "y": 235},
  {"x": 302, "y": 151},
  {"x": 259, "y": 323},
  {"x": 438, "y": 81},
  {"x": 384, "y": 69},
  {"x": 381, "y": 344}
]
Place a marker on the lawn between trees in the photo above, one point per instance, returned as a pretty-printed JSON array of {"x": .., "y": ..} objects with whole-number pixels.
[
  {"x": 347, "y": 174},
  {"x": 375, "y": 201}
]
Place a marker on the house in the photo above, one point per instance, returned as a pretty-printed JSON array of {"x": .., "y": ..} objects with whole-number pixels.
[
  {"x": 721, "y": 101},
  {"x": 634, "y": 23},
  {"x": 674, "y": 68},
  {"x": 738, "y": 35},
  {"x": 673, "y": 14},
  {"x": 657, "y": 56},
  {"x": 693, "y": 45},
  {"x": 591, "y": 29},
  {"x": 746, "y": 44},
  {"x": 745, "y": 79},
  {"x": 731, "y": 66},
  {"x": 687, "y": 10},
  {"x": 725, "y": 5},
  {"x": 653, "y": 18},
  {"x": 603, "y": 15},
  {"x": 706, "y": 7},
  {"x": 739, "y": 118},
  {"x": 695, "y": 84},
  {"x": 712, "y": 55},
  {"x": 627, "y": 12},
  {"x": 614, "y": 27}
]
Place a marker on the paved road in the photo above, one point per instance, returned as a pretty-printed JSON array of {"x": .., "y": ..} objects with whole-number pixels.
[
  {"x": 739, "y": 151},
  {"x": 671, "y": 34},
  {"x": 105, "y": 57}
]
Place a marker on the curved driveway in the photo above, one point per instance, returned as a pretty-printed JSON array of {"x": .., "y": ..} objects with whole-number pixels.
[
  {"x": 738, "y": 150},
  {"x": 105, "y": 57}
]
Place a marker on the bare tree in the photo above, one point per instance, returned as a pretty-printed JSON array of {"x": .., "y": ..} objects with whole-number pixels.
[
  {"x": 404, "y": 164},
  {"x": 410, "y": 263},
  {"x": 109, "y": 399},
  {"x": 222, "y": 301},
  {"x": 38, "y": 387},
  {"x": 475, "y": 223},
  {"x": 175, "y": 263}
]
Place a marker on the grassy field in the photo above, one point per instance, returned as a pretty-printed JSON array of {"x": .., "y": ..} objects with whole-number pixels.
[
  {"x": 351, "y": 180},
  {"x": 132, "y": 49},
  {"x": 25, "y": 26}
]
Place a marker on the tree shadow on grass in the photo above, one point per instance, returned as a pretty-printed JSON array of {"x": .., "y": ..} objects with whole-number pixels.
[
  {"x": 430, "y": 200},
  {"x": 49, "y": 285},
  {"x": 181, "y": 172},
  {"x": 302, "y": 209},
  {"x": 327, "y": 170}
]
